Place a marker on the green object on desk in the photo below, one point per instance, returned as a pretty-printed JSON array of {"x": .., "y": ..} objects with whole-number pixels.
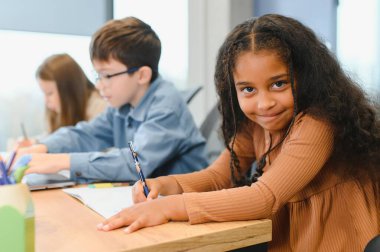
[
  {"x": 19, "y": 173},
  {"x": 16, "y": 218}
]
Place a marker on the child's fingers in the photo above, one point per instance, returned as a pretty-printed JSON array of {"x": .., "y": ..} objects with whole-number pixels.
[
  {"x": 136, "y": 225},
  {"x": 23, "y": 144},
  {"x": 138, "y": 193},
  {"x": 114, "y": 222},
  {"x": 153, "y": 194}
]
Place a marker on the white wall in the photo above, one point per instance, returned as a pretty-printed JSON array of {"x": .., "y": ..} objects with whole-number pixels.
[{"x": 209, "y": 23}]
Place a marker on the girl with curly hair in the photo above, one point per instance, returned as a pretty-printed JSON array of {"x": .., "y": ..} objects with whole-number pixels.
[{"x": 287, "y": 104}]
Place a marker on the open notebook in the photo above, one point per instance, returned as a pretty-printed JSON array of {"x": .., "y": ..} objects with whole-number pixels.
[
  {"x": 105, "y": 201},
  {"x": 48, "y": 181}
]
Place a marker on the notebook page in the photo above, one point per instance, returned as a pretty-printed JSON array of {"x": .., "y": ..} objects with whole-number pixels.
[{"x": 105, "y": 201}]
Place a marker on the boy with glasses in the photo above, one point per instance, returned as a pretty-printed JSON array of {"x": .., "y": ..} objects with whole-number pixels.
[{"x": 144, "y": 108}]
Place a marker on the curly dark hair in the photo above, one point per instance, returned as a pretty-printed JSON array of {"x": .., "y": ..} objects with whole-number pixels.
[{"x": 323, "y": 91}]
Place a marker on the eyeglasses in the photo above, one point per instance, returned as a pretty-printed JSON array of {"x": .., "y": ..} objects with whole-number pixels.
[{"x": 107, "y": 77}]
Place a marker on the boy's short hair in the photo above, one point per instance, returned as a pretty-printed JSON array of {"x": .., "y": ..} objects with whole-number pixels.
[{"x": 128, "y": 40}]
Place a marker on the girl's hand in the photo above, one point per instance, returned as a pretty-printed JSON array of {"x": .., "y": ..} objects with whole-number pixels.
[
  {"x": 23, "y": 143},
  {"x": 39, "y": 148},
  {"x": 165, "y": 185},
  {"x": 138, "y": 191},
  {"x": 147, "y": 214}
]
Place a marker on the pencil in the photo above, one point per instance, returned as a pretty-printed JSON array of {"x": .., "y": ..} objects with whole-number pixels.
[
  {"x": 139, "y": 171},
  {"x": 23, "y": 131}
]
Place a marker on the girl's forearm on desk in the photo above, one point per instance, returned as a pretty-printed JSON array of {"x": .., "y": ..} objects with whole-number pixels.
[{"x": 174, "y": 208}]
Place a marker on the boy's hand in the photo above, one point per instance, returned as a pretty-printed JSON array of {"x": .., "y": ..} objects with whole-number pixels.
[
  {"x": 147, "y": 214},
  {"x": 48, "y": 163}
]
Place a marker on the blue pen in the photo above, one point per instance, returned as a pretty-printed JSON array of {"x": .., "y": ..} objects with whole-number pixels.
[{"x": 139, "y": 171}]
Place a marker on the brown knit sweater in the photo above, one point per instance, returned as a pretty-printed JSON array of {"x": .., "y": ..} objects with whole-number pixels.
[{"x": 311, "y": 206}]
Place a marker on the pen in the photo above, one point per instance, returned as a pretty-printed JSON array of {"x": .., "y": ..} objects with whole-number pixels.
[
  {"x": 24, "y": 131},
  {"x": 139, "y": 171}
]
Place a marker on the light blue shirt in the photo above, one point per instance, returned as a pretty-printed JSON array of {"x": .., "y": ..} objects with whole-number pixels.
[{"x": 162, "y": 130}]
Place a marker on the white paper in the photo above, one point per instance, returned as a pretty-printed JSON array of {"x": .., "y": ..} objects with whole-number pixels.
[{"x": 105, "y": 201}]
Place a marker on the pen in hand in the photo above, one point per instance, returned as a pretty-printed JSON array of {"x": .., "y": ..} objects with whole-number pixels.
[
  {"x": 138, "y": 168},
  {"x": 24, "y": 131}
]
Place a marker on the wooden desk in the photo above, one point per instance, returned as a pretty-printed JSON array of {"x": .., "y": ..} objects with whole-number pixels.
[{"x": 65, "y": 224}]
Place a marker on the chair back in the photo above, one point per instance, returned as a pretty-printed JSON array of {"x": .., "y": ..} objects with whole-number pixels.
[
  {"x": 188, "y": 94},
  {"x": 210, "y": 131},
  {"x": 373, "y": 245}
]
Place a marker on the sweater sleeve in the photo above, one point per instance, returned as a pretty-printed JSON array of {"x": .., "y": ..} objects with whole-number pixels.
[{"x": 302, "y": 156}]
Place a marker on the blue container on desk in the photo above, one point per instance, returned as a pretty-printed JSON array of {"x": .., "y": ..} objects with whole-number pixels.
[{"x": 16, "y": 218}]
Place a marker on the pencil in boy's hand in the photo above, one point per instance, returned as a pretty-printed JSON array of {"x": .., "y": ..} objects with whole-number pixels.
[
  {"x": 23, "y": 131},
  {"x": 139, "y": 171}
]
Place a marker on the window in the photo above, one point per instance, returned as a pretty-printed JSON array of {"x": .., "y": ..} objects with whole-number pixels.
[
  {"x": 169, "y": 19},
  {"x": 20, "y": 97},
  {"x": 359, "y": 41}
]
